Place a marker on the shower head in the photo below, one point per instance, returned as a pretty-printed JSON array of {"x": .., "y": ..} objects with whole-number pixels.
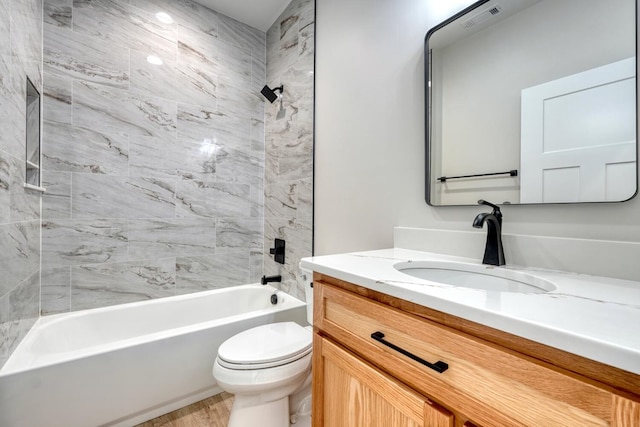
[{"x": 270, "y": 94}]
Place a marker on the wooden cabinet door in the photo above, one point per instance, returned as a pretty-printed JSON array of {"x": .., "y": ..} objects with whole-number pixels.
[
  {"x": 625, "y": 412},
  {"x": 348, "y": 392}
]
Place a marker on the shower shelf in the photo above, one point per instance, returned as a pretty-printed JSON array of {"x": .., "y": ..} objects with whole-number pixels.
[
  {"x": 31, "y": 165},
  {"x": 34, "y": 188}
]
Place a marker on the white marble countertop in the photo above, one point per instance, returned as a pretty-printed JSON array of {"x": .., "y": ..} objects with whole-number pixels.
[{"x": 594, "y": 317}]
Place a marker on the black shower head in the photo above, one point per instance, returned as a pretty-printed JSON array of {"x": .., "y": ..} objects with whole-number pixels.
[{"x": 270, "y": 94}]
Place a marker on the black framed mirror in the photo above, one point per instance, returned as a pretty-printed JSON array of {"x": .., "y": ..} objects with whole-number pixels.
[{"x": 532, "y": 101}]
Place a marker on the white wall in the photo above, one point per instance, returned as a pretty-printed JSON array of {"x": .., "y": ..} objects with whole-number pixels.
[{"x": 369, "y": 165}]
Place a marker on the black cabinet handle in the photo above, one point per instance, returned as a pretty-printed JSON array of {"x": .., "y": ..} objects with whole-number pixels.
[{"x": 439, "y": 366}]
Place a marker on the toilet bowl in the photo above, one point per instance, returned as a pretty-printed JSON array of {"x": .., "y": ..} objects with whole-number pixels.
[{"x": 268, "y": 369}]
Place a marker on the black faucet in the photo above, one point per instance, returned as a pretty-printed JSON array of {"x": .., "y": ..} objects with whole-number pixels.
[
  {"x": 267, "y": 279},
  {"x": 493, "y": 252}
]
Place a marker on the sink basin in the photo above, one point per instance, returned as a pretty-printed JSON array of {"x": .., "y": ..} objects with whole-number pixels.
[{"x": 484, "y": 277}]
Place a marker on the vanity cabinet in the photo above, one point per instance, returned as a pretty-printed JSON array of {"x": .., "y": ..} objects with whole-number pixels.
[
  {"x": 381, "y": 361},
  {"x": 357, "y": 394}
]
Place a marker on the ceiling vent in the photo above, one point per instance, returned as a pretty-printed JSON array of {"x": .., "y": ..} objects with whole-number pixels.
[{"x": 482, "y": 16}]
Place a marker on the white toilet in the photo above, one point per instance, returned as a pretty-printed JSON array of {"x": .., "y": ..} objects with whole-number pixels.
[{"x": 268, "y": 369}]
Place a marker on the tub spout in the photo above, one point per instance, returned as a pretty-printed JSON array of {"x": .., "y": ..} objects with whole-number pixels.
[{"x": 268, "y": 279}]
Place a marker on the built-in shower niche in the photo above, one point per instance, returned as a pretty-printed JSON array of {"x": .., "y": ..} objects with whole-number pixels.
[{"x": 32, "y": 180}]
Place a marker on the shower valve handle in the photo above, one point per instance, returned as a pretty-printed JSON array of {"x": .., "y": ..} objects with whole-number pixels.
[{"x": 278, "y": 251}]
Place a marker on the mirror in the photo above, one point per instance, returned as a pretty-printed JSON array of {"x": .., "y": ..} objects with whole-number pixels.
[
  {"x": 532, "y": 101},
  {"x": 32, "y": 135}
]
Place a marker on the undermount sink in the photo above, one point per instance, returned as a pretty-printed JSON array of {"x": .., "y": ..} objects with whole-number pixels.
[{"x": 484, "y": 277}]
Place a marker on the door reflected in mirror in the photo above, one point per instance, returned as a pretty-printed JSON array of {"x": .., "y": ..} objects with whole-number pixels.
[{"x": 532, "y": 101}]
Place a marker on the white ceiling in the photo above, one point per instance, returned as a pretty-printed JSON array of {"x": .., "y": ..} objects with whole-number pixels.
[{"x": 259, "y": 14}]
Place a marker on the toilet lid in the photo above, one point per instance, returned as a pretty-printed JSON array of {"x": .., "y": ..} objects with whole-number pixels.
[{"x": 266, "y": 346}]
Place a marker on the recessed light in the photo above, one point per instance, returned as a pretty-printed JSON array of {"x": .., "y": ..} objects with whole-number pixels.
[
  {"x": 164, "y": 17},
  {"x": 152, "y": 59}
]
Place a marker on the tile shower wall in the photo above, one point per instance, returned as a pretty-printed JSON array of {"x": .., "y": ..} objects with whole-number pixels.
[
  {"x": 20, "y": 56},
  {"x": 155, "y": 173},
  {"x": 289, "y": 141}
]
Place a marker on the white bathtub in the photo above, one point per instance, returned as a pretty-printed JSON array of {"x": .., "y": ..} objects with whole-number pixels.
[{"x": 125, "y": 364}]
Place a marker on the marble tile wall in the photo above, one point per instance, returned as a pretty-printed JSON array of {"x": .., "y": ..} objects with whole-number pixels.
[
  {"x": 288, "y": 196},
  {"x": 155, "y": 173},
  {"x": 20, "y": 56}
]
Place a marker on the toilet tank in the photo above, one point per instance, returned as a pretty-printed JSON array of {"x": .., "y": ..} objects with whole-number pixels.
[{"x": 307, "y": 277}]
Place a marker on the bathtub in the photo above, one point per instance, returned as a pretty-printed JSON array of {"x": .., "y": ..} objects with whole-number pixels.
[{"x": 125, "y": 364}]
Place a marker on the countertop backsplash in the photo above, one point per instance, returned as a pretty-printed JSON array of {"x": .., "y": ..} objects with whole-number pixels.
[{"x": 607, "y": 258}]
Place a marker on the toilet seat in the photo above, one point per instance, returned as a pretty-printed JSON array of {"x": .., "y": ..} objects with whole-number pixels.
[{"x": 265, "y": 346}]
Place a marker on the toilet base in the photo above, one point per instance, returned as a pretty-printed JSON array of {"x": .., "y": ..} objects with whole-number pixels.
[
  {"x": 304, "y": 421},
  {"x": 301, "y": 417},
  {"x": 290, "y": 411},
  {"x": 269, "y": 414}
]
